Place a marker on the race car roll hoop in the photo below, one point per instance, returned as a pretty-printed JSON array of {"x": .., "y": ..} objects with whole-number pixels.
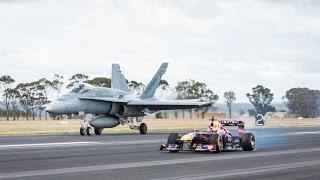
[{"x": 215, "y": 138}]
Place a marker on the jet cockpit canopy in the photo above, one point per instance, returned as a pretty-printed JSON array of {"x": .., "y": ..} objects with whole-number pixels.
[{"x": 81, "y": 88}]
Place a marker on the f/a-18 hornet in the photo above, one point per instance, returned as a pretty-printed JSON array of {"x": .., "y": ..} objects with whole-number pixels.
[{"x": 102, "y": 107}]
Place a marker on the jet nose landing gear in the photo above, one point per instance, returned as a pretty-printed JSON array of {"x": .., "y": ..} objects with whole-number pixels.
[
  {"x": 86, "y": 128},
  {"x": 86, "y": 131}
]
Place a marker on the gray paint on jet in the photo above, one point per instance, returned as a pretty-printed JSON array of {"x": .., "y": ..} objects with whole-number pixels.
[{"x": 117, "y": 102}]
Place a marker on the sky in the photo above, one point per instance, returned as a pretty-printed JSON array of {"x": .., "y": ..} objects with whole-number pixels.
[{"x": 229, "y": 45}]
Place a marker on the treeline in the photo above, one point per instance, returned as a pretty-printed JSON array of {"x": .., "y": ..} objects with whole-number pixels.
[
  {"x": 18, "y": 99},
  {"x": 303, "y": 102}
]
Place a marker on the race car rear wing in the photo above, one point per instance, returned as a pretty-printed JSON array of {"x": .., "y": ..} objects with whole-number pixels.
[
  {"x": 240, "y": 125},
  {"x": 231, "y": 123}
]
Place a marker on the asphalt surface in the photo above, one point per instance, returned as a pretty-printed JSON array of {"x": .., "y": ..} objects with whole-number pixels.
[{"x": 281, "y": 153}]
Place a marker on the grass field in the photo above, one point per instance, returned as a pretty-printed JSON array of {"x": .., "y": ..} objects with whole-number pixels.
[{"x": 47, "y": 127}]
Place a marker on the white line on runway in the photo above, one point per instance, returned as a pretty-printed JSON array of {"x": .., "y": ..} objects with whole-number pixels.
[
  {"x": 262, "y": 169},
  {"x": 71, "y": 144},
  {"x": 15, "y": 146},
  {"x": 149, "y": 163},
  {"x": 303, "y": 133}
]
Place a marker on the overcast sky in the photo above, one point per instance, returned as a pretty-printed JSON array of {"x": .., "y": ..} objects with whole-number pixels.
[{"x": 230, "y": 45}]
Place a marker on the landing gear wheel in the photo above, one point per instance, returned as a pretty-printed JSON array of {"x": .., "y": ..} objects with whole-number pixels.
[
  {"x": 248, "y": 142},
  {"x": 216, "y": 139},
  {"x": 143, "y": 128},
  {"x": 82, "y": 131},
  {"x": 88, "y": 131},
  {"x": 98, "y": 131}
]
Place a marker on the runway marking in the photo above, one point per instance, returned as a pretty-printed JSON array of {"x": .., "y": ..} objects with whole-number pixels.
[
  {"x": 14, "y": 146},
  {"x": 83, "y": 169},
  {"x": 303, "y": 133},
  {"x": 262, "y": 169},
  {"x": 68, "y": 144}
]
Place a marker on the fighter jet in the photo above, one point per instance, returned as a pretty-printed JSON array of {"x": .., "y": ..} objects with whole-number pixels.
[{"x": 102, "y": 107}]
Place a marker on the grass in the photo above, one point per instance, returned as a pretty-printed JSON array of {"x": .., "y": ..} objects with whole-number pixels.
[{"x": 55, "y": 127}]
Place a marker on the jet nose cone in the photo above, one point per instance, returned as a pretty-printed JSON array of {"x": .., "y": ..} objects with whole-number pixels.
[{"x": 48, "y": 108}]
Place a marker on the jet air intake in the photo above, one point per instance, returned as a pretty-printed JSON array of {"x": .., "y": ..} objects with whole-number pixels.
[
  {"x": 129, "y": 111},
  {"x": 104, "y": 122}
]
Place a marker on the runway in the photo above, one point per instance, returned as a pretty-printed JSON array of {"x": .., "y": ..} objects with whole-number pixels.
[{"x": 281, "y": 153}]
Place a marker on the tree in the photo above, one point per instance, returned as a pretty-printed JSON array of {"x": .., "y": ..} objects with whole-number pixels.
[
  {"x": 192, "y": 89},
  {"x": 158, "y": 115},
  {"x": 100, "y": 82},
  {"x": 13, "y": 95},
  {"x": 42, "y": 88},
  {"x": 241, "y": 112},
  {"x": 57, "y": 83},
  {"x": 136, "y": 87},
  {"x": 77, "y": 78},
  {"x": 163, "y": 90},
  {"x": 27, "y": 97},
  {"x": 260, "y": 99},
  {"x": 252, "y": 112},
  {"x": 230, "y": 97},
  {"x": 163, "y": 84},
  {"x": 303, "y": 102},
  {"x": 5, "y": 83}
]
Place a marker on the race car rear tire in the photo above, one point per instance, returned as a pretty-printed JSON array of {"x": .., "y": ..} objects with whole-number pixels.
[
  {"x": 248, "y": 142},
  {"x": 216, "y": 139}
]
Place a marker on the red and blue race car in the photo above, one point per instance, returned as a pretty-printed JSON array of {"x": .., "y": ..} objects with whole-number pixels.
[{"x": 215, "y": 138}]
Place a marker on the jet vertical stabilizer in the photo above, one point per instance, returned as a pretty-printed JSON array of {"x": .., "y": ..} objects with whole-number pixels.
[
  {"x": 154, "y": 83},
  {"x": 118, "y": 81}
]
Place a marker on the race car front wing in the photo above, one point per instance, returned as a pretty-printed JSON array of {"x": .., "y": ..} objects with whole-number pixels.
[{"x": 197, "y": 148}]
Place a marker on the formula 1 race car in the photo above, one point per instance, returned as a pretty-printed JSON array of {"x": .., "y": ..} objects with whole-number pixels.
[{"x": 211, "y": 140}]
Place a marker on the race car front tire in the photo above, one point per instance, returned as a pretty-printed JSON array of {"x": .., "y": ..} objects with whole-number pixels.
[
  {"x": 216, "y": 139},
  {"x": 248, "y": 142},
  {"x": 172, "y": 139}
]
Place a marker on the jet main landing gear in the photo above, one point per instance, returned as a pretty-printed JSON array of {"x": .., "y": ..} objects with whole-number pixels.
[
  {"x": 132, "y": 123},
  {"x": 143, "y": 128},
  {"x": 98, "y": 131}
]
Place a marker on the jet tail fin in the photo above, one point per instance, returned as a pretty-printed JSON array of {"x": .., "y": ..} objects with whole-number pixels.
[
  {"x": 154, "y": 83},
  {"x": 118, "y": 81}
]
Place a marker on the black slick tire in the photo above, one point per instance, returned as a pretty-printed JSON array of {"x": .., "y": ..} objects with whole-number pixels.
[
  {"x": 172, "y": 139},
  {"x": 248, "y": 142},
  {"x": 216, "y": 139}
]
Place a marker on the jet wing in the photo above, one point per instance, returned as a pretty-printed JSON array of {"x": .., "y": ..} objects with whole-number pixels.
[
  {"x": 152, "y": 104},
  {"x": 107, "y": 99},
  {"x": 168, "y": 105}
]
